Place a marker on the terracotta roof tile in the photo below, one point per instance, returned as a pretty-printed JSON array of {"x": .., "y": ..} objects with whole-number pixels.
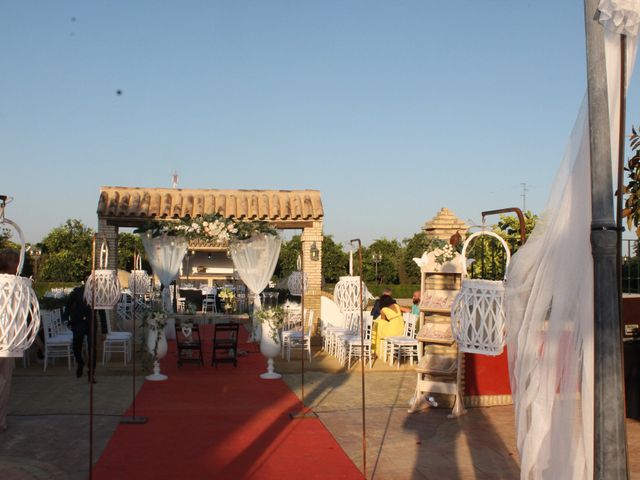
[{"x": 178, "y": 202}]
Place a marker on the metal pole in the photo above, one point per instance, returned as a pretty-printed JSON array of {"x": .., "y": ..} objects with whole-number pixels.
[
  {"x": 302, "y": 316},
  {"x": 609, "y": 428},
  {"x": 92, "y": 351},
  {"x": 133, "y": 419},
  {"x": 364, "y": 424},
  {"x": 306, "y": 412}
]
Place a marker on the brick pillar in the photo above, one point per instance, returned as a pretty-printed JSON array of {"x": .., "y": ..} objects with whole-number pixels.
[
  {"x": 109, "y": 232},
  {"x": 313, "y": 269}
]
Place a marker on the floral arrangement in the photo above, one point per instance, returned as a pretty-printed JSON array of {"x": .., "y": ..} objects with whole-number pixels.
[
  {"x": 444, "y": 254},
  {"x": 190, "y": 308},
  {"x": 213, "y": 229},
  {"x": 226, "y": 294},
  {"x": 156, "y": 321},
  {"x": 273, "y": 315},
  {"x": 229, "y": 298}
]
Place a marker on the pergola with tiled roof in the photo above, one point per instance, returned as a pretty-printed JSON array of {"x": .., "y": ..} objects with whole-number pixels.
[
  {"x": 286, "y": 209},
  {"x": 129, "y": 206}
]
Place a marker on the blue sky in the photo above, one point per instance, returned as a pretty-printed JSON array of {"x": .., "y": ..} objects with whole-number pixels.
[{"x": 393, "y": 109}]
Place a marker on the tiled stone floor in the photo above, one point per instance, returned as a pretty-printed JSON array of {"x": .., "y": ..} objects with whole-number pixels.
[{"x": 424, "y": 445}]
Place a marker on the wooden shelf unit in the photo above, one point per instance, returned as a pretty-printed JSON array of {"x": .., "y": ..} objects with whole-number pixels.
[{"x": 441, "y": 366}]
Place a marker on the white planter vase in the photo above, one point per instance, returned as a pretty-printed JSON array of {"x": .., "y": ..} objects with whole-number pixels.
[
  {"x": 270, "y": 348},
  {"x": 155, "y": 333}
]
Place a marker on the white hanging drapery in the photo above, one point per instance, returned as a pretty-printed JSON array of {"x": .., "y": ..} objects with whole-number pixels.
[
  {"x": 165, "y": 254},
  {"x": 549, "y": 297},
  {"x": 255, "y": 260}
]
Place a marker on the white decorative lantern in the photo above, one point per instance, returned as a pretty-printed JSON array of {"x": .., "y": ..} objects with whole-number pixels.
[
  {"x": 105, "y": 282},
  {"x": 346, "y": 294},
  {"x": 297, "y": 283},
  {"x": 477, "y": 316},
  {"x": 19, "y": 308},
  {"x": 139, "y": 279}
]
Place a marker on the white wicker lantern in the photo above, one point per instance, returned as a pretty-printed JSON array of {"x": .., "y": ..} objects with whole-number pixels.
[
  {"x": 19, "y": 308},
  {"x": 105, "y": 282},
  {"x": 139, "y": 279},
  {"x": 297, "y": 283},
  {"x": 477, "y": 316},
  {"x": 346, "y": 294}
]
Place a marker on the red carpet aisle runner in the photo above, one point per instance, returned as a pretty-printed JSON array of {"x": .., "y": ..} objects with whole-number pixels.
[{"x": 221, "y": 423}]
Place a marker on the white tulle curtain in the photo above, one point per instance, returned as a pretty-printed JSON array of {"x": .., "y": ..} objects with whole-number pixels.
[
  {"x": 165, "y": 254},
  {"x": 255, "y": 260},
  {"x": 549, "y": 297}
]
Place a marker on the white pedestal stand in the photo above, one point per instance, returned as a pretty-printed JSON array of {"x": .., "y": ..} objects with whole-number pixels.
[{"x": 270, "y": 349}]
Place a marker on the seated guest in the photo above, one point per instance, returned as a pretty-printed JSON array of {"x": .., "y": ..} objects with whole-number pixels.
[
  {"x": 389, "y": 324},
  {"x": 375, "y": 311},
  {"x": 415, "y": 300}
]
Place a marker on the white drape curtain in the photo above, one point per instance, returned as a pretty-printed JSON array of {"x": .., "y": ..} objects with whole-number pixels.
[
  {"x": 255, "y": 260},
  {"x": 165, "y": 254},
  {"x": 549, "y": 298}
]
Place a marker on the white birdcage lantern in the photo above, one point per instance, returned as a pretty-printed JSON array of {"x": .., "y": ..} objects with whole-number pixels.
[
  {"x": 477, "y": 315},
  {"x": 297, "y": 282},
  {"x": 19, "y": 308},
  {"x": 346, "y": 293},
  {"x": 139, "y": 279},
  {"x": 104, "y": 282}
]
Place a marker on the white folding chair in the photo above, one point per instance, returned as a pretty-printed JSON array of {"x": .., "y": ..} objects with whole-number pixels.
[
  {"x": 116, "y": 342},
  {"x": 355, "y": 347},
  {"x": 339, "y": 336},
  {"x": 55, "y": 345},
  {"x": 292, "y": 323},
  {"x": 405, "y": 345},
  {"x": 209, "y": 300},
  {"x": 297, "y": 341}
]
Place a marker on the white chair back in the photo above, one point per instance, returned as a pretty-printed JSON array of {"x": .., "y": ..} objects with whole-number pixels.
[
  {"x": 331, "y": 314},
  {"x": 308, "y": 319},
  {"x": 410, "y": 321}
]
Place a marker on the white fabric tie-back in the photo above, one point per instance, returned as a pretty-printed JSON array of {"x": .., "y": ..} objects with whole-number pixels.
[
  {"x": 549, "y": 296},
  {"x": 620, "y": 16}
]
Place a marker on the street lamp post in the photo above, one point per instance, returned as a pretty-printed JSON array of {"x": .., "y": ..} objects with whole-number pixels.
[
  {"x": 610, "y": 452},
  {"x": 377, "y": 258}
]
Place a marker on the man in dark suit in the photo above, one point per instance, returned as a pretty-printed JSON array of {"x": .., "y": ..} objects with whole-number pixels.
[{"x": 78, "y": 314}]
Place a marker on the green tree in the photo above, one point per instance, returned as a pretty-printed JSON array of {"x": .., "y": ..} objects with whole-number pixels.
[
  {"x": 509, "y": 228},
  {"x": 66, "y": 253},
  {"x": 7, "y": 242},
  {"x": 289, "y": 252},
  {"x": 414, "y": 247},
  {"x": 128, "y": 244},
  {"x": 489, "y": 255},
  {"x": 335, "y": 261},
  {"x": 390, "y": 254}
]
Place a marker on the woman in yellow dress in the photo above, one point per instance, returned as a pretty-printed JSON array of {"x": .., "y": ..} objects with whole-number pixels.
[{"x": 389, "y": 324}]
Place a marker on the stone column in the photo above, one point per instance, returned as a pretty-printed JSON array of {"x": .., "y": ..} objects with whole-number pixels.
[
  {"x": 110, "y": 233},
  {"x": 313, "y": 269}
]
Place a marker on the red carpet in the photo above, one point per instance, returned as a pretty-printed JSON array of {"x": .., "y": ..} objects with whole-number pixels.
[{"x": 221, "y": 423}]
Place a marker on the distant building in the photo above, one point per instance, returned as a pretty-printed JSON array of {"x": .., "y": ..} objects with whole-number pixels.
[{"x": 444, "y": 225}]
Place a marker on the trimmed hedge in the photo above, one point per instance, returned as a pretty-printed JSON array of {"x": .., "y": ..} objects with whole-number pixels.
[
  {"x": 404, "y": 290},
  {"x": 42, "y": 287}
]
